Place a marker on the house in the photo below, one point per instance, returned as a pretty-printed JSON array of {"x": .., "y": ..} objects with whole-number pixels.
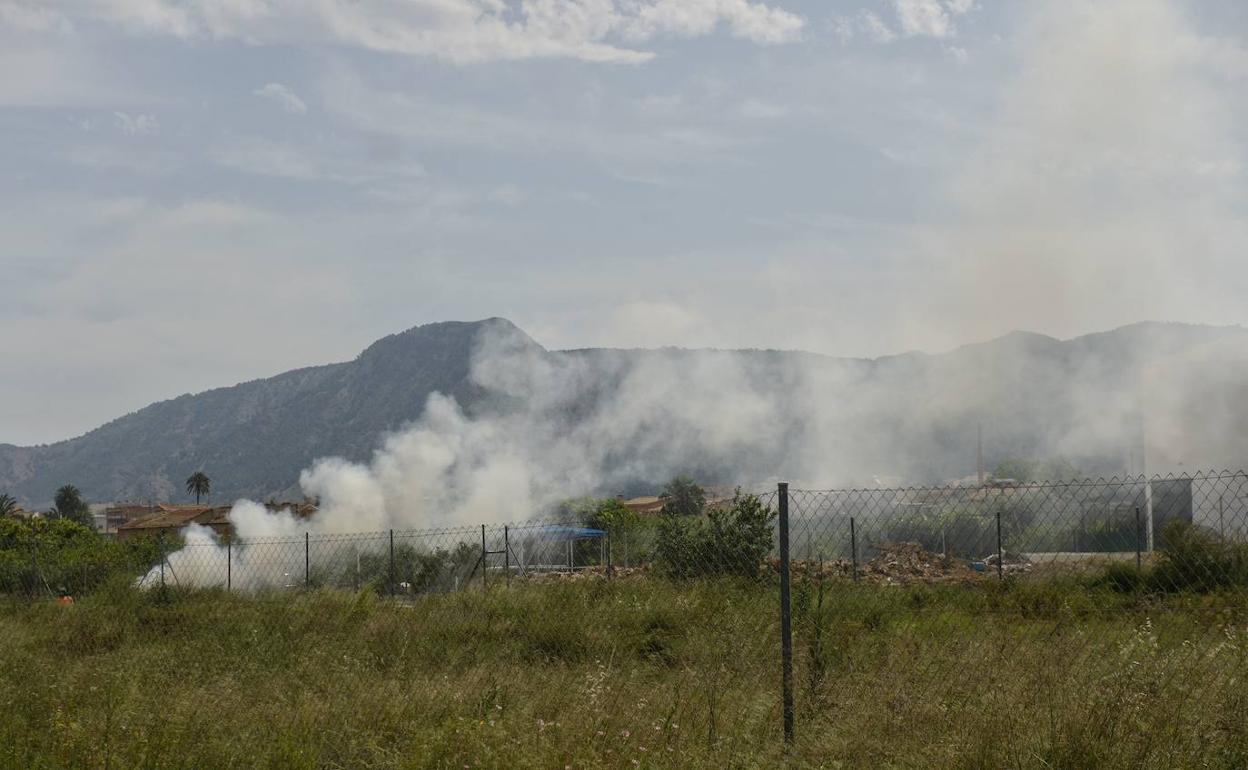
[
  {"x": 653, "y": 506},
  {"x": 166, "y": 519},
  {"x": 169, "y": 519},
  {"x": 106, "y": 518},
  {"x": 645, "y": 506}
]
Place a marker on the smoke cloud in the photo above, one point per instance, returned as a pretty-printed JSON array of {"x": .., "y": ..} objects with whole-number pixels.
[
  {"x": 1112, "y": 169},
  {"x": 1108, "y": 187}
]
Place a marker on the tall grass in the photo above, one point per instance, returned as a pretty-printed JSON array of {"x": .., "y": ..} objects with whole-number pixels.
[{"x": 629, "y": 673}]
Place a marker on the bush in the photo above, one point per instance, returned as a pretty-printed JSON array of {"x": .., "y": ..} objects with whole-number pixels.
[
  {"x": 1195, "y": 560},
  {"x": 729, "y": 541},
  {"x": 62, "y": 556},
  {"x": 1124, "y": 578}
]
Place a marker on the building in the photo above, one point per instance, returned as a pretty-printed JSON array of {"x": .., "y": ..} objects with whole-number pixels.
[
  {"x": 167, "y": 519},
  {"x": 646, "y": 506},
  {"x": 650, "y": 505}
]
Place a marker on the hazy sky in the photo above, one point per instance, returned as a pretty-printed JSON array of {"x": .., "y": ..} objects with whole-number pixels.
[{"x": 198, "y": 192}]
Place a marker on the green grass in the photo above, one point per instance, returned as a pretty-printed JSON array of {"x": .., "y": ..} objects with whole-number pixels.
[{"x": 632, "y": 673}]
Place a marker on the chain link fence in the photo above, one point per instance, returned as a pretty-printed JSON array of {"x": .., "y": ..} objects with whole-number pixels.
[{"x": 994, "y": 625}]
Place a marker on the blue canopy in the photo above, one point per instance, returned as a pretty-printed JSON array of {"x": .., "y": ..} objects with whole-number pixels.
[{"x": 564, "y": 532}]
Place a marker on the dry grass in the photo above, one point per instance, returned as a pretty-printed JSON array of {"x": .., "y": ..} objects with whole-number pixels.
[{"x": 629, "y": 674}]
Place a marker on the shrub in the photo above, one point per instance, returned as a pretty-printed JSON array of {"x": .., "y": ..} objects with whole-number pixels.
[
  {"x": 730, "y": 541},
  {"x": 60, "y": 555},
  {"x": 1124, "y": 578},
  {"x": 1195, "y": 560}
]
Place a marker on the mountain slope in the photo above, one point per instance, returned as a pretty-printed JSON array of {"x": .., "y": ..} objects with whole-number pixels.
[
  {"x": 255, "y": 437},
  {"x": 913, "y": 415}
]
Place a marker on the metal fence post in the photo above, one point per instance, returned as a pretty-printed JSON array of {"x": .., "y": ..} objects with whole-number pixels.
[
  {"x": 1138, "y": 527},
  {"x": 507, "y": 552},
  {"x": 160, "y": 543},
  {"x": 307, "y": 560},
  {"x": 1000, "y": 560},
  {"x": 1221, "y": 519},
  {"x": 390, "y": 573},
  {"x": 786, "y": 616},
  {"x": 485, "y": 563},
  {"x": 229, "y": 564},
  {"x": 853, "y": 550}
]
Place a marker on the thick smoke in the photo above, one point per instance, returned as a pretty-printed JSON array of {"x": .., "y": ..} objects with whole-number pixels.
[
  {"x": 560, "y": 425},
  {"x": 1107, "y": 190},
  {"x": 1108, "y": 187}
]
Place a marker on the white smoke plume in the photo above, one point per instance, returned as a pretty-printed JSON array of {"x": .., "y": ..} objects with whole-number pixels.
[{"x": 1112, "y": 168}]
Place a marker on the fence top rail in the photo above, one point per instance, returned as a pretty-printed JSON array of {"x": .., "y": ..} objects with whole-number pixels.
[
  {"x": 1100, "y": 482},
  {"x": 558, "y": 528},
  {"x": 553, "y": 530}
]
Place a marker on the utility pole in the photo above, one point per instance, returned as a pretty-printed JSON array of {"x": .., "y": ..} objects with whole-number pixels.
[
  {"x": 1148, "y": 482},
  {"x": 979, "y": 451}
]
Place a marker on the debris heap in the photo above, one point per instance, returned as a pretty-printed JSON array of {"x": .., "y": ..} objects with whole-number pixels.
[{"x": 909, "y": 562}]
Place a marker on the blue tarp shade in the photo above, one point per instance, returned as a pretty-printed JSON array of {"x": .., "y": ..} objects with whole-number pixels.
[{"x": 560, "y": 532}]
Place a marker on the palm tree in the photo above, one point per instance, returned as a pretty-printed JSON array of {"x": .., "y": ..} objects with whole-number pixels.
[
  {"x": 8, "y": 504},
  {"x": 198, "y": 484},
  {"x": 70, "y": 505}
]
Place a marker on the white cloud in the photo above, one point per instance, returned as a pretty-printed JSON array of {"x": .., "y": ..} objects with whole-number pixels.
[
  {"x": 748, "y": 20},
  {"x": 914, "y": 18},
  {"x": 286, "y": 98},
  {"x": 135, "y": 125},
  {"x": 876, "y": 28},
  {"x": 30, "y": 17},
  {"x": 456, "y": 30},
  {"x": 930, "y": 18}
]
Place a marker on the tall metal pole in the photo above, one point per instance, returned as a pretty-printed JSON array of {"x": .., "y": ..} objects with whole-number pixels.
[
  {"x": 853, "y": 549},
  {"x": 1138, "y": 526},
  {"x": 307, "y": 560},
  {"x": 1000, "y": 561},
  {"x": 1221, "y": 519},
  {"x": 229, "y": 563},
  {"x": 786, "y": 616},
  {"x": 1148, "y": 482},
  {"x": 484, "y": 558},
  {"x": 1148, "y": 513},
  {"x": 507, "y": 553}
]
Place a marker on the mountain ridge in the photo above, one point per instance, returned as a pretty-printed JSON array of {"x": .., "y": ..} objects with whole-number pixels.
[{"x": 255, "y": 436}]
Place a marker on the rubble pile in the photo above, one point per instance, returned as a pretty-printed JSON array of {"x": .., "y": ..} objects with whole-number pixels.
[
  {"x": 909, "y": 562},
  {"x": 581, "y": 574},
  {"x": 893, "y": 564},
  {"x": 1010, "y": 562}
]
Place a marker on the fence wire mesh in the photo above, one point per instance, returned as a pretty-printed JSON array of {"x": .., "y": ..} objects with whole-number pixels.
[{"x": 1076, "y": 624}]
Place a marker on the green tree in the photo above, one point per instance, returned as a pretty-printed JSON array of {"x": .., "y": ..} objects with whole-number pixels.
[
  {"x": 59, "y": 554},
  {"x": 683, "y": 497},
  {"x": 608, "y": 513},
  {"x": 198, "y": 484},
  {"x": 8, "y": 504},
  {"x": 69, "y": 505},
  {"x": 732, "y": 540}
]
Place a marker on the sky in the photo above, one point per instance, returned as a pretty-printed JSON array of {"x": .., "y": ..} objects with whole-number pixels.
[{"x": 195, "y": 193}]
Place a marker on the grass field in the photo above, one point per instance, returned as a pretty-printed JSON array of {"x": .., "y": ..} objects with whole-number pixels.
[{"x": 631, "y": 673}]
